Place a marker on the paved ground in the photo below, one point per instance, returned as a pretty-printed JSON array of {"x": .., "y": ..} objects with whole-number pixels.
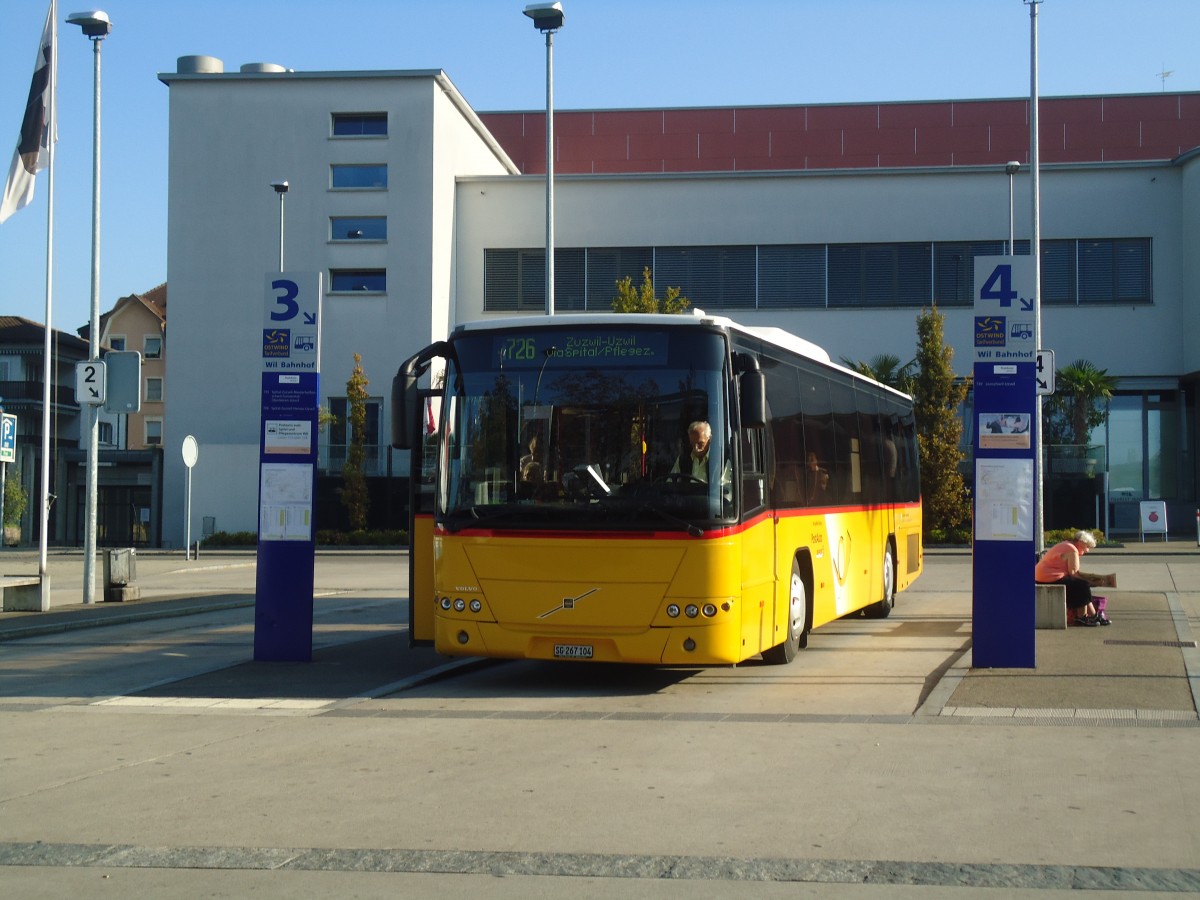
[{"x": 1074, "y": 776}]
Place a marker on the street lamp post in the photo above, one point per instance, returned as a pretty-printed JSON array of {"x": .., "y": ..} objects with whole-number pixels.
[
  {"x": 548, "y": 18},
  {"x": 96, "y": 26},
  {"x": 281, "y": 188},
  {"x": 1011, "y": 169}
]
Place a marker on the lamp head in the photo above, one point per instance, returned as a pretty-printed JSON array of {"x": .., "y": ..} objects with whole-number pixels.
[
  {"x": 95, "y": 23},
  {"x": 281, "y": 187},
  {"x": 546, "y": 16},
  {"x": 1012, "y": 167}
]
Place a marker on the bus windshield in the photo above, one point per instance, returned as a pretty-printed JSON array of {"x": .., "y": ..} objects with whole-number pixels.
[{"x": 586, "y": 428}]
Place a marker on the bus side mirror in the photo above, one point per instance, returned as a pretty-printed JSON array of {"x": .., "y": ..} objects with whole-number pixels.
[
  {"x": 753, "y": 399},
  {"x": 404, "y": 399}
]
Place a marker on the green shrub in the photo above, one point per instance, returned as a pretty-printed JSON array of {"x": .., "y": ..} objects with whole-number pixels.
[
  {"x": 394, "y": 538},
  {"x": 951, "y": 536},
  {"x": 1058, "y": 535},
  {"x": 231, "y": 539}
]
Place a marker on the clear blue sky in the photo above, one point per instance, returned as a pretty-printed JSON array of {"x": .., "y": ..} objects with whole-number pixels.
[{"x": 609, "y": 54}]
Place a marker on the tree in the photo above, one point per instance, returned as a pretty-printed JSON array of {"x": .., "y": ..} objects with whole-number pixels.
[
  {"x": 886, "y": 369},
  {"x": 1078, "y": 404},
  {"x": 642, "y": 300},
  {"x": 15, "y": 502},
  {"x": 354, "y": 479},
  {"x": 937, "y": 396}
]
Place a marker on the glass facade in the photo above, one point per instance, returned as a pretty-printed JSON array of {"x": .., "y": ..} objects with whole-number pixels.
[{"x": 821, "y": 276}]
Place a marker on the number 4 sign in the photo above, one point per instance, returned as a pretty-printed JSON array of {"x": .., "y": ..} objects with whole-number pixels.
[
  {"x": 1004, "y": 309},
  {"x": 1045, "y": 372},
  {"x": 1004, "y": 284}
]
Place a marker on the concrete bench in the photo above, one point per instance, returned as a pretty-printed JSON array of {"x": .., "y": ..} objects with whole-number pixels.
[
  {"x": 1051, "y": 601},
  {"x": 25, "y": 593}
]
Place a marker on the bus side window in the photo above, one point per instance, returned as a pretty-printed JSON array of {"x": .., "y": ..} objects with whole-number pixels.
[{"x": 754, "y": 478}]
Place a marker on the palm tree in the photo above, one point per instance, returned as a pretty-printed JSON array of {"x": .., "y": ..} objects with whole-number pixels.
[
  {"x": 886, "y": 369},
  {"x": 1079, "y": 403}
]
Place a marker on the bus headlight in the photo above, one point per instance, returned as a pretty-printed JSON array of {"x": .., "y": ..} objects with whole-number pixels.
[
  {"x": 673, "y": 610},
  {"x": 709, "y": 610},
  {"x": 476, "y": 606},
  {"x": 691, "y": 610},
  {"x": 445, "y": 603},
  {"x": 459, "y": 604}
]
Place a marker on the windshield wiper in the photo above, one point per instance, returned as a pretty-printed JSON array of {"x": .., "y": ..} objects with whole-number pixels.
[
  {"x": 460, "y": 518},
  {"x": 692, "y": 529}
]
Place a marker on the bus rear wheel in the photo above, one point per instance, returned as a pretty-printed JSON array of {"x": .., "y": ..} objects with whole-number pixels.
[
  {"x": 797, "y": 636},
  {"x": 883, "y": 608}
]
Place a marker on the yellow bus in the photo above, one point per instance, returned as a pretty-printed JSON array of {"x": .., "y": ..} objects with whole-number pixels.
[{"x": 566, "y": 504}]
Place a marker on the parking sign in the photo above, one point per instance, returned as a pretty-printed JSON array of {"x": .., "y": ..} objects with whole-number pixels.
[{"x": 8, "y": 438}]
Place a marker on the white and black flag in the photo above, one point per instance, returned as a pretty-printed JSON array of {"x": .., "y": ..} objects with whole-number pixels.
[{"x": 37, "y": 127}]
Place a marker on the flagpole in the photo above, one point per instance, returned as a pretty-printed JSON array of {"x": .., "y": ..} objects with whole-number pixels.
[{"x": 47, "y": 360}]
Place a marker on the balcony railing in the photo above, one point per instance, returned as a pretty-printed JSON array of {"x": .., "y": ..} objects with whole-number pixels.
[
  {"x": 331, "y": 459},
  {"x": 32, "y": 390}
]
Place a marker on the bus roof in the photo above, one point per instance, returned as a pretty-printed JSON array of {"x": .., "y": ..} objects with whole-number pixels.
[{"x": 693, "y": 318}]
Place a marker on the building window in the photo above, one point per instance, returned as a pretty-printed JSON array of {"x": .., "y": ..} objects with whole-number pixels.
[
  {"x": 371, "y": 281},
  {"x": 359, "y": 124},
  {"x": 153, "y": 432},
  {"x": 369, "y": 177},
  {"x": 709, "y": 277},
  {"x": 152, "y": 348},
  {"x": 105, "y": 432},
  {"x": 880, "y": 274},
  {"x": 358, "y": 228},
  {"x": 791, "y": 277},
  {"x": 515, "y": 280},
  {"x": 339, "y": 434},
  {"x": 116, "y": 342},
  {"x": 1114, "y": 271},
  {"x": 608, "y": 265},
  {"x": 954, "y": 269},
  {"x": 1058, "y": 271},
  {"x": 154, "y": 393}
]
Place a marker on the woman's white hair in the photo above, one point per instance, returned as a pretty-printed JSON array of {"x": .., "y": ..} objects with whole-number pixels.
[{"x": 1085, "y": 537}]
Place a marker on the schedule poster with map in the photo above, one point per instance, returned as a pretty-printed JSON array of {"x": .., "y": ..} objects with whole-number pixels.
[
  {"x": 1004, "y": 499},
  {"x": 285, "y": 502}
]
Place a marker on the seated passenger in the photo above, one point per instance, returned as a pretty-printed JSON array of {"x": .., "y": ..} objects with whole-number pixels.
[{"x": 816, "y": 481}]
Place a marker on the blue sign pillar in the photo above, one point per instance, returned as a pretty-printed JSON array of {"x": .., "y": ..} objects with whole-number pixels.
[
  {"x": 283, "y": 607},
  {"x": 1003, "y": 609}
]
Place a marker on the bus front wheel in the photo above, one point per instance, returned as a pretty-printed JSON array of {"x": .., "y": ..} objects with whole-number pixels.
[
  {"x": 883, "y": 608},
  {"x": 797, "y": 636}
]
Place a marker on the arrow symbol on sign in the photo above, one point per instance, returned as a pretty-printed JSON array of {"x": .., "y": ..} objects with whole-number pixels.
[
  {"x": 311, "y": 318},
  {"x": 1026, "y": 305}
]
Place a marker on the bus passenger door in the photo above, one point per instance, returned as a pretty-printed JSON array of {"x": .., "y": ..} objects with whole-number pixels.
[
  {"x": 421, "y": 493},
  {"x": 759, "y": 593}
]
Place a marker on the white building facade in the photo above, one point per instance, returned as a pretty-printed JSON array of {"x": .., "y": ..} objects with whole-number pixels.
[{"x": 418, "y": 218}]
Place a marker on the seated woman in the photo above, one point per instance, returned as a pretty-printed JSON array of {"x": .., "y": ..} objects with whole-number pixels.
[{"x": 1060, "y": 565}]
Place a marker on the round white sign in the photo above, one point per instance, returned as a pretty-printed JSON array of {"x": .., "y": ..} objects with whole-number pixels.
[{"x": 191, "y": 451}]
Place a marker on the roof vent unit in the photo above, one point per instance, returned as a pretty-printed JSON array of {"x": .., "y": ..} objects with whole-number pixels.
[
  {"x": 200, "y": 65},
  {"x": 262, "y": 67}
]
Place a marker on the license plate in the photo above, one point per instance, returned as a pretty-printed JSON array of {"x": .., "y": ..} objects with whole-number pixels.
[{"x": 573, "y": 651}]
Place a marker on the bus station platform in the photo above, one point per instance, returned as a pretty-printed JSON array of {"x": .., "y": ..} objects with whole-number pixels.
[
  {"x": 1146, "y": 666},
  {"x": 372, "y": 772}
]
